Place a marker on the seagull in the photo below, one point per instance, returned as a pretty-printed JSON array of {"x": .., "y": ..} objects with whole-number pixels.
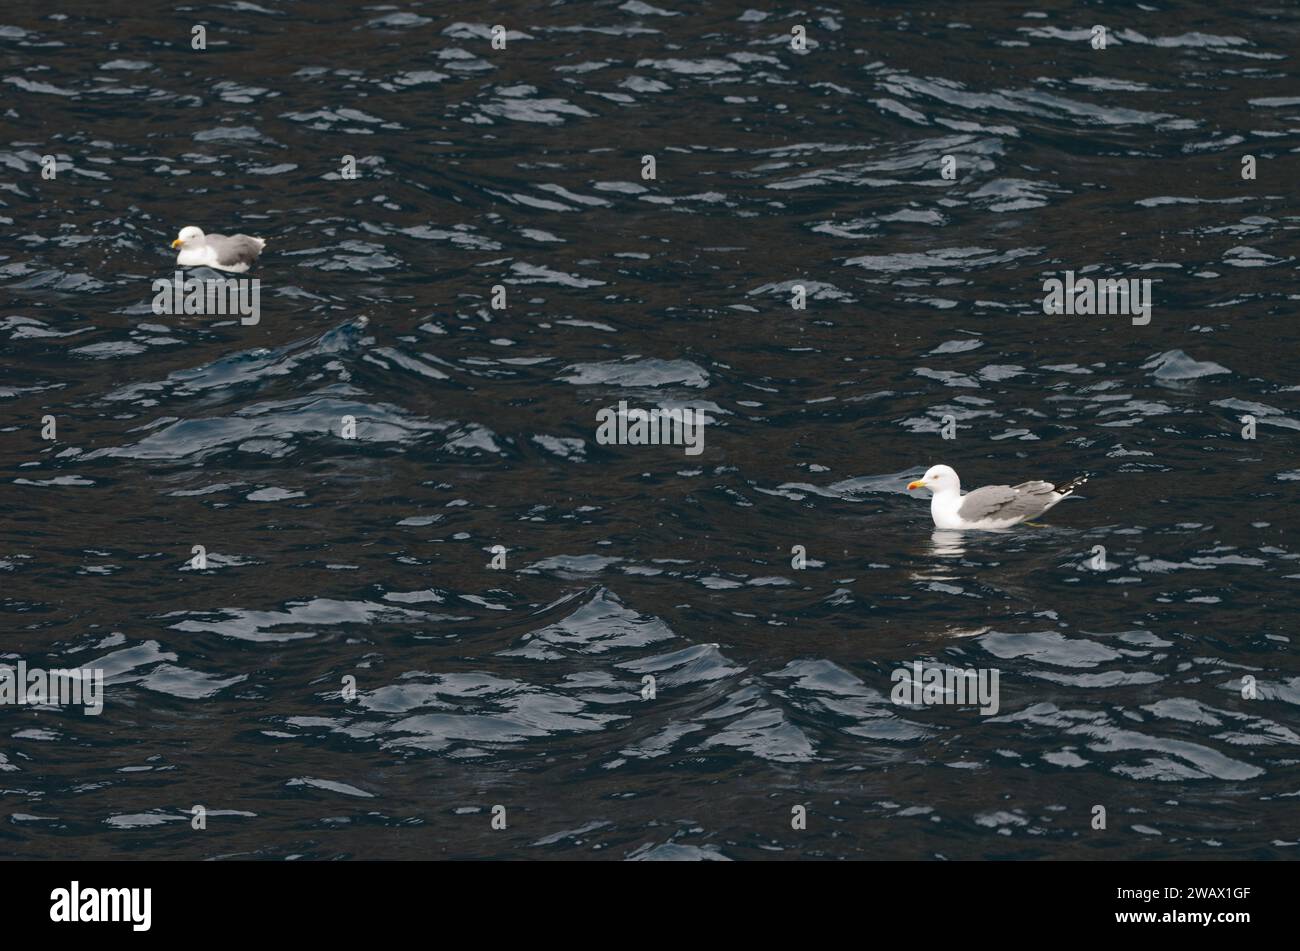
[
  {"x": 991, "y": 508},
  {"x": 234, "y": 253}
]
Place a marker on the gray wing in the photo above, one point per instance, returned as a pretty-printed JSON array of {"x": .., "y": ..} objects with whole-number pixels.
[
  {"x": 1004, "y": 501},
  {"x": 236, "y": 249}
]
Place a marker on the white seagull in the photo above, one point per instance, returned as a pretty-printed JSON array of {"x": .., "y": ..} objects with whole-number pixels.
[
  {"x": 234, "y": 253},
  {"x": 992, "y": 507}
]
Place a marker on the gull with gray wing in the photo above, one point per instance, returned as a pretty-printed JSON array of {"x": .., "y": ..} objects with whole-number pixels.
[
  {"x": 234, "y": 253},
  {"x": 992, "y": 507}
]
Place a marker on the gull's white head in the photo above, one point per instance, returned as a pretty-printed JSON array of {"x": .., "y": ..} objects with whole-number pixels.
[
  {"x": 938, "y": 479},
  {"x": 187, "y": 235}
]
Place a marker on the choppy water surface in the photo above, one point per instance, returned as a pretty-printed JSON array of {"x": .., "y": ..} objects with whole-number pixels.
[{"x": 476, "y": 427}]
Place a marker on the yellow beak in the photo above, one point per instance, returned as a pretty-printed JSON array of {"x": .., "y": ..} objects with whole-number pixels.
[
  {"x": 177, "y": 243},
  {"x": 918, "y": 484}
]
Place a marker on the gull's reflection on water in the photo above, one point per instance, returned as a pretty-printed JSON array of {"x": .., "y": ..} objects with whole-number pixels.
[
  {"x": 948, "y": 543},
  {"x": 945, "y": 543}
]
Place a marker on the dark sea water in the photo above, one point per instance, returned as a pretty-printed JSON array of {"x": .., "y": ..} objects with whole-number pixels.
[{"x": 1121, "y": 686}]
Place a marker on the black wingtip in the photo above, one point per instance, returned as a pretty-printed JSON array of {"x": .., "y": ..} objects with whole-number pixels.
[{"x": 1070, "y": 486}]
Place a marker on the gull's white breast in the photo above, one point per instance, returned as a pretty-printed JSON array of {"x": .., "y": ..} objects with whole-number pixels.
[
  {"x": 943, "y": 509},
  {"x": 202, "y": 256}
]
